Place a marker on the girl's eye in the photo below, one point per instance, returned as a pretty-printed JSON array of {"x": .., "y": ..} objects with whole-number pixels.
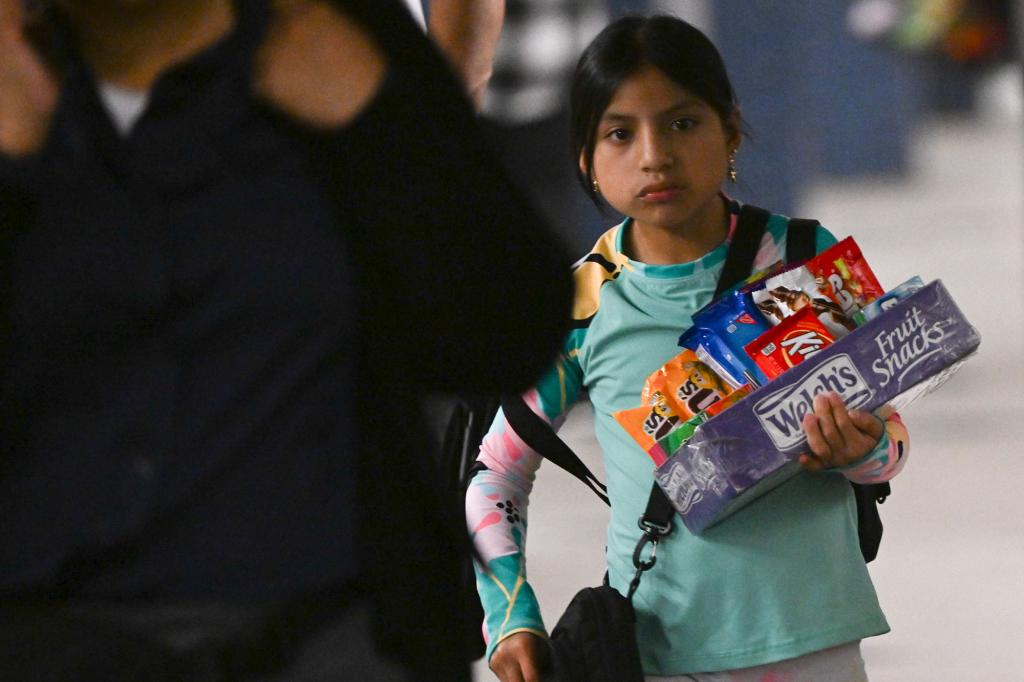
[
  {"x": 619, "y": 134},
  {"x": 683, "y": 123}
]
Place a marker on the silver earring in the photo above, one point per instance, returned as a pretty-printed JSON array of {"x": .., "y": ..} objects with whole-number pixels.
[{"x": 732, "y": 167}]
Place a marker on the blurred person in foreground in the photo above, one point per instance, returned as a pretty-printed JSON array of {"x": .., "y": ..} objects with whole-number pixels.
[
  {"x": 236, "y": 240},
  {"x": 467, "y": 33}
]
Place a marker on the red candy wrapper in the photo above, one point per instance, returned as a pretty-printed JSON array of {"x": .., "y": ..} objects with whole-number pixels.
[
  {"x": 841, "y": 273},
  {"x": 789, "y": 343}
]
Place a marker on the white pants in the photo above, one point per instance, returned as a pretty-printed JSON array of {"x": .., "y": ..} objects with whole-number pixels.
[{"x": 842, "y": 663}]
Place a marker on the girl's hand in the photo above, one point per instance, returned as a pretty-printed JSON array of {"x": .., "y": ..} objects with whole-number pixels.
[
  {"x": 317, "y": 65},
  {"x": 520, "y": 658},
  {"x": 28, "y": 91},
  {"x": 837, "y": 436}
]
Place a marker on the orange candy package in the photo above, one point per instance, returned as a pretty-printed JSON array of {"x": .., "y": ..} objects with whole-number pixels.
[
  {"x": 673, "y": 394},
  {"x": 651, "y": 421},
  {"x": 690, "y": 384}
]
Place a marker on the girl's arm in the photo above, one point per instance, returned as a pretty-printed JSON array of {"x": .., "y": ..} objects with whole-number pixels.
[
  {"x": 497, "y": 501},
  {"x": 889, "y": 456}
]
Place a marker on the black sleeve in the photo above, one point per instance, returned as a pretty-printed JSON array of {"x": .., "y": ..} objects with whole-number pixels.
[
  {"x": 18, "y": 202},
  {"x": 463, "y": 284}
]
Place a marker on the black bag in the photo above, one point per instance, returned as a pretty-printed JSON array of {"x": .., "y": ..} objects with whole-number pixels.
[
  {"x": 458, "y": 424},
  {"x": 595, "y": 639}
]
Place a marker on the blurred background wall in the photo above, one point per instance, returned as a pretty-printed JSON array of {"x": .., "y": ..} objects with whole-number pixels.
[
  {"x": 839, "y": 88},
  {"x": 835, "y": 89}
]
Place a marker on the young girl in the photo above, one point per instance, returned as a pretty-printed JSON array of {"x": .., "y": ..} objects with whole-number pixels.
[{"x": 777, "y": 591}]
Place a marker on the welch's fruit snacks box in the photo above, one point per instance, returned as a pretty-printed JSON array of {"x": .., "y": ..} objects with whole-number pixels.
[{"x": 742, "y": 453}]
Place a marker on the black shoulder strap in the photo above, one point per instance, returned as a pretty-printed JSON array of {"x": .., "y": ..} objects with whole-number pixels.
[
  {"x": 541, "y": 438},
  {"x": 745, "y": 241},
  {"x": 800, "y": 239}
]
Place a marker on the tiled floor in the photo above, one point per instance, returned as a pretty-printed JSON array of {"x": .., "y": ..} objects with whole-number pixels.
[{"x": 951, "y": 571}]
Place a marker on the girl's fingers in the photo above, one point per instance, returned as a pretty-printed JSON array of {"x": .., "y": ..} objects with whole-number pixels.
[
  {"x": 851, "y": 425},
  {"x": 520, "y": 658},
  {"x": 826, "y": 413},
  {"x": 508, "y": 672},
  {"x": 867, "y": 424},
  {"x": 816, "y": 442},
  {"x": 841, "y": 415},
  {"x": 530, "y": 672},
  {"x": 836, "y": 436},
  {"x": 810, "y": 462}
]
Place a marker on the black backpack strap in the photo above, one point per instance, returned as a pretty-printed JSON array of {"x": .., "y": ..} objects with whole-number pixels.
[
  {"x": 869, "y": 522},
  {"x": 656, "y": 521},
  {"x": 801, "y": 240},
  {"x": 541, "y": 438},
  {"x": 746, "y": 240},
  {"x": 657, "y": 517}
]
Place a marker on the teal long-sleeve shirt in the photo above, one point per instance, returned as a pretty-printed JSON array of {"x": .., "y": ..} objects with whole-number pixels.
[{"x": 783, "y": 578}]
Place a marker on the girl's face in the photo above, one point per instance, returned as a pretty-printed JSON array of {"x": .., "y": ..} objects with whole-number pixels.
[{"x": 661, "y": 154}]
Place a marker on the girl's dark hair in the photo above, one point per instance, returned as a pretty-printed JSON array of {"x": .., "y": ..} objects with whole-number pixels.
[{"x": 623, "y": 48}]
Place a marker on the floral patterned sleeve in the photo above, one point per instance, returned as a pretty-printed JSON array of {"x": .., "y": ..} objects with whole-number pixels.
[{"x": 497, "y": 501}]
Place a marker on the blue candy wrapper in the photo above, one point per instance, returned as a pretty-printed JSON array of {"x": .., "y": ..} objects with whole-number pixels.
[
  {"x": 716, "y": 354},
  {"x": 722, "y": 329}
]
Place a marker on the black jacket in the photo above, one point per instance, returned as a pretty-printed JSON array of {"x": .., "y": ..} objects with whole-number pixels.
[{"x": 446, "y": 281}]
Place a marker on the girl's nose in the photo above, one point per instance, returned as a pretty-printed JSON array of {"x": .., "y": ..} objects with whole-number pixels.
[{"x": 655, "y": 153}]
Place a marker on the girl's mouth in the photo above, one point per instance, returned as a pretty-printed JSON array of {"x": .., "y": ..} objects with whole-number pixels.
[{"x": 659, "y": 193}]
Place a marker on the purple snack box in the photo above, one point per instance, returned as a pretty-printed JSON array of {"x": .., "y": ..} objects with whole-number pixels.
[{"x": 744, "y": 452}]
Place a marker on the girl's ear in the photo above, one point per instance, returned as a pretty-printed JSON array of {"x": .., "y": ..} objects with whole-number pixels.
[
  {"x": 583, "y": 164},
  {"x": 734, "y": 129}
]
